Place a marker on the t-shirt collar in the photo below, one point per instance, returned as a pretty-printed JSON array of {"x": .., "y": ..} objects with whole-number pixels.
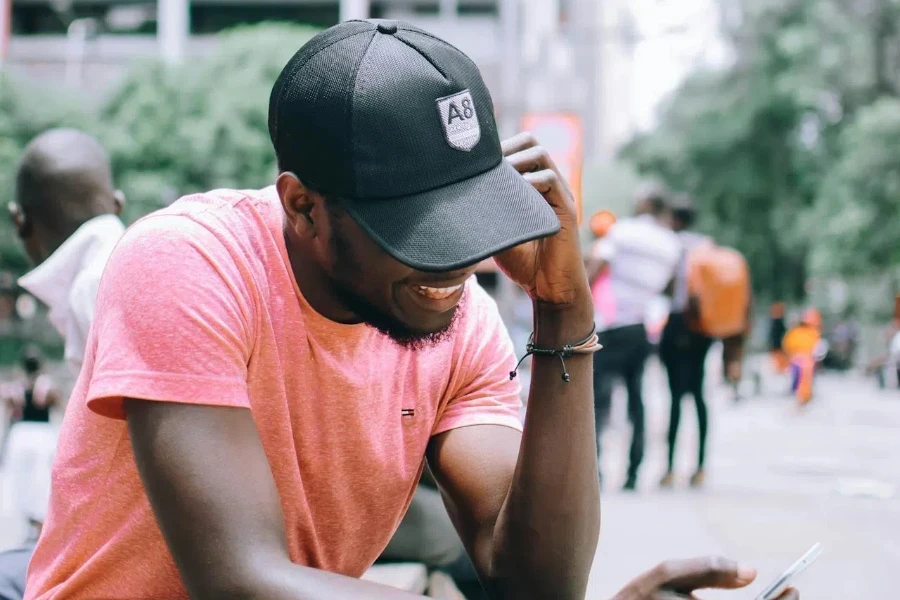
[{"x": 51, "y": 280}]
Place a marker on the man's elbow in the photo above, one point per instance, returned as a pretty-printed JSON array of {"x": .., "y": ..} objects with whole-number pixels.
[{"x": 254, "y": 579}]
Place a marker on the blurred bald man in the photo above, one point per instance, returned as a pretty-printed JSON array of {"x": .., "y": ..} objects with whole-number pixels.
[{"x": 66, "y": 213}]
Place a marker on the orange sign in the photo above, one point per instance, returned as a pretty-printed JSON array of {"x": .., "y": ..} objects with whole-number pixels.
[{"x": 561, "y": 133}]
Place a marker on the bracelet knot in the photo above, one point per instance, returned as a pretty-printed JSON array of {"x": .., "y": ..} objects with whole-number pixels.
[{"x": 589, "y": 345}]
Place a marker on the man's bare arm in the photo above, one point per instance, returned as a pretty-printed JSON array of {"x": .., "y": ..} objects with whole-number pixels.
[
  {"x": 527, "y": 506},
  {"x": 214, "y": 497},
  {"x": 529, "y": 513}
]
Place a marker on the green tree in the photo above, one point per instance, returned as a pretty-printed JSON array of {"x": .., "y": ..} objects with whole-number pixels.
[
  {"x": 758, "y": 143},
  {"x": 852, "y": 228},
  {"x": 203, "y": 126}
]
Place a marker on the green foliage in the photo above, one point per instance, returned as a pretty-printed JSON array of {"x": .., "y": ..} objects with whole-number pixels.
[
  {"x": 731, "y": 146},
  {"x": 854, "y": 221},
  {"x": 203, "y": 126},
  {"x": 791, "y": 151}
]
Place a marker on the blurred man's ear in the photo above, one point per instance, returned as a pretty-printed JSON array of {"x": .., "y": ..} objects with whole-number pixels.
[
  {"x": 15, "y": 215},
  {"x": 119, "y": 198}
]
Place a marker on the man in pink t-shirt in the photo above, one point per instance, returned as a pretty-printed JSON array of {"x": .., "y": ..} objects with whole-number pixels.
[{"x": 269, "y": 370}]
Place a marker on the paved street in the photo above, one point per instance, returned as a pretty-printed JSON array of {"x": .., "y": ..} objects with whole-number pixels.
[{"x": 778, "y": 481}]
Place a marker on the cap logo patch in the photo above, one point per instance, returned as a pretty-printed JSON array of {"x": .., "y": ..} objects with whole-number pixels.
[{"x": 459, "y": 120}]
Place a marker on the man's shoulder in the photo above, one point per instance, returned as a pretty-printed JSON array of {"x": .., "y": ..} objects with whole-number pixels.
[
  {"x": 212, "y": 220},
  {"x": 220, "y": 204}
]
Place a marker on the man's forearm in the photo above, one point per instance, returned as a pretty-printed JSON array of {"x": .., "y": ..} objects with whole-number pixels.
[
  {"x": 283, "y": 580},
  {"x": 546, "y": 534}
]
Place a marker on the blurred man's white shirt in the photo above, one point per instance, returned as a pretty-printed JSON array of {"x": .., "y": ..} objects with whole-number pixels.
[
  {"x": 643, "y": 256},
  {"x": 67, "y": 282}
]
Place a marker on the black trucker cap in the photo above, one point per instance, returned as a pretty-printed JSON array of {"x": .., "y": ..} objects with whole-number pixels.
[{"x": 400, "y": 126}]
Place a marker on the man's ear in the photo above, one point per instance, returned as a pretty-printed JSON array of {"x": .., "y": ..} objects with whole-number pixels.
[
  {"x": 298, "y": 202},
  {"x": 119, "y": 199}
]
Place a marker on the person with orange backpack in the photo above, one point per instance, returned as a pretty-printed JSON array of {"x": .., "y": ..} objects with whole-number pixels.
[{"x": 711, "y": 301}]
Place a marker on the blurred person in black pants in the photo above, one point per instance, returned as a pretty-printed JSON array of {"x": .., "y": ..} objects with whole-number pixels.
[
  {"x": 642, "y": 253},
  {"x": 682, "y": 351}
]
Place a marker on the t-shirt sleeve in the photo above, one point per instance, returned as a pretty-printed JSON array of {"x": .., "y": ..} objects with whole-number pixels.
[
  {"x": 481, "y": 392},
  {"x": 173, "y": 320}
]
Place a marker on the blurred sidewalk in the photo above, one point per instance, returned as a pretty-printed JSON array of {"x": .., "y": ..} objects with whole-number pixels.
[{"x": 777, "y": 482}]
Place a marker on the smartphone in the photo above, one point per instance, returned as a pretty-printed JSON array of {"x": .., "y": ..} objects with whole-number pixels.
[{"x": 777, "y": 587}]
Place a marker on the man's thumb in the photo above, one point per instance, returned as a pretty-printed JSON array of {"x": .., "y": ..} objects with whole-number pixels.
[{"x": 711, "y": 572}]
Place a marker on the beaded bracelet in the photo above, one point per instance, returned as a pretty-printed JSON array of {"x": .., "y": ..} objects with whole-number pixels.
[{"x": 589, "y": 345}]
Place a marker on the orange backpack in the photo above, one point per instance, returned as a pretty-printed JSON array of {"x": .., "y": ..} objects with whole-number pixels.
[{"x": 719, "y": 288}]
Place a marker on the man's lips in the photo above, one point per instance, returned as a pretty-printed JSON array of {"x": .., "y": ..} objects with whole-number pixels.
[{"x": 436, "y": 293}]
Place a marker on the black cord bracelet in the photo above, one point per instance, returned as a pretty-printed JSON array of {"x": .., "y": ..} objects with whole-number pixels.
[{"x": 562, "y": 353}]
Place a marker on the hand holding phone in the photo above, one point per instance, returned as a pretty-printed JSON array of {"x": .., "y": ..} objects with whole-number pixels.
[
  {"x": 678, "y": 579},
  {"x": 777, "y": 587}
]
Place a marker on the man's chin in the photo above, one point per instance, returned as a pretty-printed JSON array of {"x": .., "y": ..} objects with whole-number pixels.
[
  {"x": 397, "y": 331},
  {"x": 409, "y": 338}
]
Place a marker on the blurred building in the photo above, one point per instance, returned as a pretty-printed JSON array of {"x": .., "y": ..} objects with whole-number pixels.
[
  {"x": 577, "y": 56},
  {"x": 545, "y": 55},
  {"x": 89, "y": 43}
]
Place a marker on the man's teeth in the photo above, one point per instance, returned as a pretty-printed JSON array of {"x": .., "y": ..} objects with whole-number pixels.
[{"x": 437, "y": 293}]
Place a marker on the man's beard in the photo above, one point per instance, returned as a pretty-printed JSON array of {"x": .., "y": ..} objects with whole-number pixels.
[{"x": 400, "y": 333}]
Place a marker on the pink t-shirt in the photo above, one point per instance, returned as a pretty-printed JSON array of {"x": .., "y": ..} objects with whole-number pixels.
[{"x": 198, "y": 304}]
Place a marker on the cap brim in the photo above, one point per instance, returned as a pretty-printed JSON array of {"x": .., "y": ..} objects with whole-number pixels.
[{"x": 460, "y": 224}]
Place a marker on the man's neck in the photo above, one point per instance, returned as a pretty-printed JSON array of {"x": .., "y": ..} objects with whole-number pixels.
[
  {"x": 316, "y": 287},
  {"x": 58, "y": 240}
]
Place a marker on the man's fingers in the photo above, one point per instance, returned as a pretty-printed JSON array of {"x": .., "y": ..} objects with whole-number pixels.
[
  {"x": 527, "y": 156},
  {"x": 531, "y": 159},
  {"x": 543, "y": 181},
  {"x": 554, "y": 189},
  {"x": 698, "y": 573},
  {"x": 517, "y": 143}
]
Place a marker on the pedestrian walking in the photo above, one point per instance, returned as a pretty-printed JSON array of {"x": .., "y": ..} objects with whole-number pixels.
[
  {"x": 802, "y": 346},
  {"x": 641, "y": 253},
  {"x": 682, "y": 349}
]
